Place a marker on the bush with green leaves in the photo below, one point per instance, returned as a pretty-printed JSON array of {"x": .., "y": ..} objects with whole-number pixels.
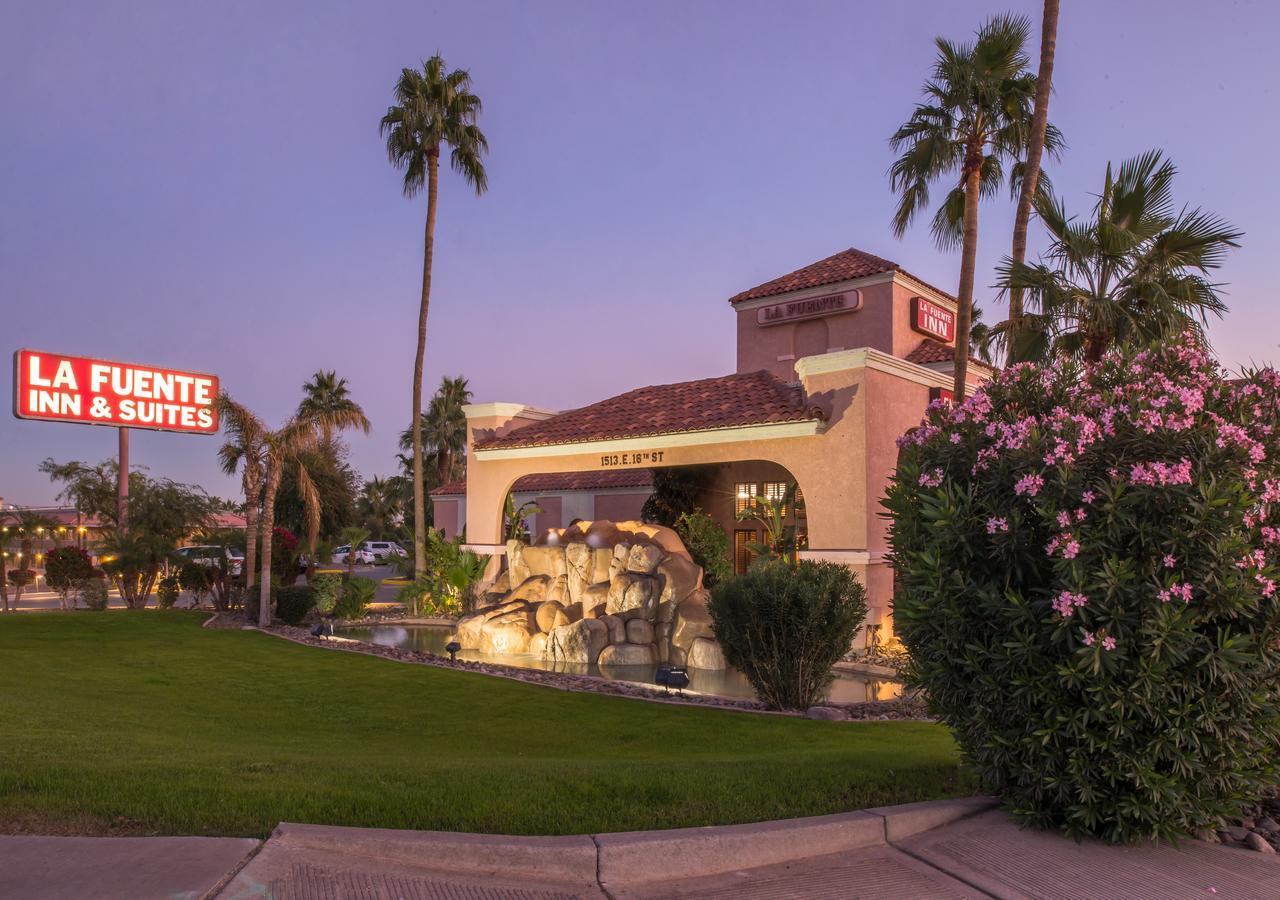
[
  {"x": 93, "y": 591},
  {"x": 326, "y": 590},
  {"x": 167, "y": 590},
  {"x": 785, "y": 626},
  {"x": 1087, "y": 585},
  {"x": 64, "y": 569},
  {"x": 357, "y": 594},
  {"x": 293, "y": 603},
  {"x": 196, "y": 579},
  {"x": 708, "y": 545}
]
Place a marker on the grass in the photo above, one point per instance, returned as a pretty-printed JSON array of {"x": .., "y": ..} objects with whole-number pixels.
[{"x": 143, "y": 722}]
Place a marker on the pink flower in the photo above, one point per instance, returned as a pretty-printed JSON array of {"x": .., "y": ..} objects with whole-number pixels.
[
  {"x": 1169, "y": 561},
  {"x": 931, "y": 479},
  {"x": 1029, "y": 485},
  {"x": 1067, "y": 602},
  {"x": 995, "y": 524},
  {"x": 1088, "y": 638},
  {"x": 1064, "y": 519},
  {"x": 1071, "y": 550},
  {"x": 1108, "y": 643},
  {"x": 1088, "y": 497}
]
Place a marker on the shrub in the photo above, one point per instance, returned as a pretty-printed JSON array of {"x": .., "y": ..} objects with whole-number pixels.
[
  {"x": 785, "y": 626},
  {"x": 167, "y": 590},
  {"x": 284, "y": 556},
  {"x": 1087, "y": 588},
  {"x": 357, "y": 594},
  {"x": 708, "y": 545},
  {"x": 325, "y": 590},
  {"x": 196, "y": 579},
  {"x": 93, "y": 591},
  {"x": 293, "y": 603},
  {"x": 64, "y": 569}
]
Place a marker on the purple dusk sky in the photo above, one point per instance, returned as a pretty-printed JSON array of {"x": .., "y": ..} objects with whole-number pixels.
[{"x": 202, "y": 186}]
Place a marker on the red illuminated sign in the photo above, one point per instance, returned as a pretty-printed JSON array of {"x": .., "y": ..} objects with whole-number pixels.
[
  {"x": 936, "y": 321},
  {"x": 55, "y": 387}
]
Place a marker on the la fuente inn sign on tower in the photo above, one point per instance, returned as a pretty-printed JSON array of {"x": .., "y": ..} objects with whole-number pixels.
[{"x": 55, "y": 387}]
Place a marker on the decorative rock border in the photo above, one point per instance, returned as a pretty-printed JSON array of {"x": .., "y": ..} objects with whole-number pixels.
[{"x": 911, "y": 708}]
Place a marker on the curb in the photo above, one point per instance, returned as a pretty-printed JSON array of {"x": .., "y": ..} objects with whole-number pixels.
[{"x": 631, "y": 858}]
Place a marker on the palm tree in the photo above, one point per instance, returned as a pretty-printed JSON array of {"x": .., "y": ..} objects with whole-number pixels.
[
  {"x": 244, "y": 450},
  {"x": 433, "y": 107},
  {"x": 283, "y": 447},
  {"x": 380, "y": 507},
  {"x": 444, "y": 430},
  {"x": 325, "y": 395},
  {"x": 976, "y": 119},
  {"x": 1136, "y": 272},
  {"x": 353, "y": 536},
  {"x": 1031, "y": 170}
]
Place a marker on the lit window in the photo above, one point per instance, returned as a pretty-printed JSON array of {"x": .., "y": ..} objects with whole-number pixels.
[
  {"x": 776, "y": 491},
  {"x": 742, "y": 555},
  {"x": 744, "y": 496}
]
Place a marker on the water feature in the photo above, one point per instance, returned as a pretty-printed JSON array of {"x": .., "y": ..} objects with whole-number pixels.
[{"x": 847, "y": 688}]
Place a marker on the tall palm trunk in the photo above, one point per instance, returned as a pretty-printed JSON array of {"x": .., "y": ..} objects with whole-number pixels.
[
  {"x": 968, "y": 262},
  {"x": 4, "y": 581},
  {"x": 1031, "y": 175},
  {"x": 252, "y": 488},
  {"x": 419, "y": 492},
  {"x": 267, "y": 528}
]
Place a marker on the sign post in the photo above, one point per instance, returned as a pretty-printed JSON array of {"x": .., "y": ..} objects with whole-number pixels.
[{"x": 122, "y": 482}]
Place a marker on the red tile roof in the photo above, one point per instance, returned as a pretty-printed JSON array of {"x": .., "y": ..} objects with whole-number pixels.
[
  {"x": 931, "y": 351},
  {"x": 746, "y": 398},
  {"x": 565, "y": 481},
  {"x": 843, "y": 266}
]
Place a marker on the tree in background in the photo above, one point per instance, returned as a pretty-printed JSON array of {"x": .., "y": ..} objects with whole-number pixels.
[
  {"x": 353, "y": 536},
  {"x": 676, "y": 490},
  {"x": 443, "y": 433},
  {"x": 162, "y": 513},
  {"x": 325, "y": 398},
  {"x": 380, "y": 508},
  {"x": 1137, "y": 271},
  {"x": 244, "y": 451},
  {"x": 1031, "y": 170},
  {"x": 335, "y": 483},
  {"x": 64, "y": 570},
  {"x": 280, "y": 449},
  {"x": 433, "y": 107},
  {"x": 975, "y": 121}
]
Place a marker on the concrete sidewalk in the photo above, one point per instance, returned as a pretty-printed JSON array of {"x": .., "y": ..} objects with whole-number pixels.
[
  {"x": 117, "y": 868},
  {"x": 953, "y": 849}
]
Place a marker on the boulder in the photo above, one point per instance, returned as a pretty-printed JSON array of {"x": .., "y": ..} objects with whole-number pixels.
[
  {"x": 602, "y": 534},
  {"x": 681, "y": 576},
  {"x": 705, "y": 653},
  {"x": 1258, "y": 843},
  {"x": 826, "y": 713},
  {"x": 573, "y": 612},
  {"x": 639, "y": 632},
  {"x": 504, "y": 638},
  {"x": 558, "y": 590},
  {"x": 594, "y": 600},
  {"x": 500, "y": 585},
  {"x": 504, "y": 608},
  {"x": 632, "y": 596},
  {"x": 542, "y": 560},
  {"x": 676, "y": 656},
  {"x": 628, "y": 655},
  {"x": 578, "y": 642},
  {"x": 662, "y": 637},
  {"x": 601, "y": 560},
  {"x": 578, "y": 559},
  {"x": 692, "y": 621},
  {"x": 516, "y": 567},
  {"x": 644, "y": 558},
  {"x": 522, "y": 616},
  {"x": 533, "y": 589},
  {"x": 550, "y": 615},
  {"x": 617, "y": 629},
  {"x": 537, "y": 644},
  {"x": 467, "y": 632},
  {"x": 618, "y": 562}
]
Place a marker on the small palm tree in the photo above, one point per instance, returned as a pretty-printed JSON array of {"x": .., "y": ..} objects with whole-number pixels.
[
  {"x": 974, "y": 122},
  {"x": 353, "y": 536},
  {"x": 288, "y": 445},
  {"x": 1137, "y": 271},
  {"x": 380, "y": 507},
  {"x": 444, "y": 430},
  {"x": 433, "y": 108}
]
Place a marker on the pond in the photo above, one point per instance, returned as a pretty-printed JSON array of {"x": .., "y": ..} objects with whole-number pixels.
[{"x": 848, "y": 687}]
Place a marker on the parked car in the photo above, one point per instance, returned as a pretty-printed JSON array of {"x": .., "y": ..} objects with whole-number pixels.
[
  {"x": 363, "y": 556},
  {"x": 206, "y": 555},
  {"x": 382, "y": 549}
]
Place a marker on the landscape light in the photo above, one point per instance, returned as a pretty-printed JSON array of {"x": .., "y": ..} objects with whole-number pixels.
[
  {"x": 452, "y": 648},
  {"x": 672, "y": 677}
]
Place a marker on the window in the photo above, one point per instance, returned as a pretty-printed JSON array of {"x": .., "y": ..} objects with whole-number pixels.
[
  {"x": 776, "y": 491},
  {"x": 744, "y": 496},
  {"x": 742, "y": 555}
]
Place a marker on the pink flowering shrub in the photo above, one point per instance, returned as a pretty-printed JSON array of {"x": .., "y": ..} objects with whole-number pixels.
[{"x": 1087, "y": 567}]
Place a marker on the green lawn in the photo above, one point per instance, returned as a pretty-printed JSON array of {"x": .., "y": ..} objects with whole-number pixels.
[{"x": 144, "y": 722}]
